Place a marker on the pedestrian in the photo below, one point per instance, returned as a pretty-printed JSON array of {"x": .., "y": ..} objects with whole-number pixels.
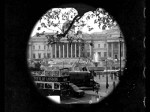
[
  {"x": 99, "y": 75},
  {"x": 94, "y": 73},
  {"x": 97, "y": 88},
  {"x": 84, "y": 69},
  {"x": 97, "y": 99},
  {"x": 107, "y": 85}
]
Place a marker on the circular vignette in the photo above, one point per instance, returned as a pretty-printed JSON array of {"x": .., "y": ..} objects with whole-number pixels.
[{"x": 41, "y": 34}]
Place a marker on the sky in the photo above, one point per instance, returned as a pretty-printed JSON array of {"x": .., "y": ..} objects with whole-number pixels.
[{"x": 52, "y": 29}]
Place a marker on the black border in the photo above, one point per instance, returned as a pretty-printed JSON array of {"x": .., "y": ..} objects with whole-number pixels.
[{"x": 20, "y": 93}]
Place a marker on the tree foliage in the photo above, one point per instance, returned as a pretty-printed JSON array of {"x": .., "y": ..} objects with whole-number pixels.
[{"x": 67, "y": 21}]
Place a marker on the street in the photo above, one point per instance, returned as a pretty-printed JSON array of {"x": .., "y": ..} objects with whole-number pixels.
[
  {"x": 90, "y": 95},
  {"x": 87, "y": 98}
]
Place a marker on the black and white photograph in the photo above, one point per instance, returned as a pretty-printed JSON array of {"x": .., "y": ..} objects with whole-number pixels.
[
  {"x": 75, "y": 56},
  {"x": 91, "y": 49}
]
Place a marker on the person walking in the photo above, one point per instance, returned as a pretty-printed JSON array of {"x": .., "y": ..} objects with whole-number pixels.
[{"x": 97, "y": 88}]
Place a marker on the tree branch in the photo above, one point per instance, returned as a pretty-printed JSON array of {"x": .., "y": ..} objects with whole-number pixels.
[{"x": 66, "y": 32}]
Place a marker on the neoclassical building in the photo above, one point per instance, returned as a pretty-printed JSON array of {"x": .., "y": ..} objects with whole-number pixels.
[
  {"x": 106, "y": 44},
  {"x": 38, "y": 49}
]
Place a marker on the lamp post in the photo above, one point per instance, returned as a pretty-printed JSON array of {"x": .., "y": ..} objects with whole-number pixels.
[
  {"x": 120, "y": 52},
  {"x": 114, "y": 85},
  {"x": 107, "y": 85}
]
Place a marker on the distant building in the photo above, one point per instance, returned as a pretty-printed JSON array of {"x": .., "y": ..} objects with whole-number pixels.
[{"x": 106, "y": 44}]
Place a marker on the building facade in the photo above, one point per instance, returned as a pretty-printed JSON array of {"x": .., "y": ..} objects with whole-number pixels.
[
  {"x": 106, "y": 44},
  {"x": 38, "y": 49}
]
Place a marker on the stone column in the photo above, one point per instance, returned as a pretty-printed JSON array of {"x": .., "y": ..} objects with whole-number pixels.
[
  {"x": 55, "y": 51},
  {"x": 79, "y": 50},
  {"x": 90, "y": 51},
  {"x": 71, "y": 50},
  {"x": 46, "y": 49},
  {"x": 119, "y": 50},
  {"x": 63, "y": 51},
  {"x": 67, "y": 50},
  {"x": 112, "y": 50},
  {"x": 51, "y": 48},
  {"x": 59, "y": 51},
  {"x": 75, "y": 50},
  {"x": 123, "y": 51},
  {"x": 106, "y": 49}
]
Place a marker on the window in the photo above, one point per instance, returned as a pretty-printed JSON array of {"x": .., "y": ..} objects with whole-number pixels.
[
  {"x": 109, "y": 54},
  {"x": 40, "y": 85},
  {"x": 48, "y": 55},
  {"x": 33, "y": 47},
  {"x": 39, "y": 55},
  {"x": 99, "y": 46},
  {"x": 44, "y": 46},
  {"x": 93, "y": 45},
  {"x": 44, "y": 55},
  {"x": 39, "y": 47},
  {"x": 34, "y": 56},
  {"x": 105, "y": 54},
  {"x": 104, "y": 45},
  {"x": 88, "y": 54},
  {"x": 99, "y": 53},
  {"x": 115, "y": 45},
  {"x": 48, "y": 85},
  {"x": 56, "y": 86}
]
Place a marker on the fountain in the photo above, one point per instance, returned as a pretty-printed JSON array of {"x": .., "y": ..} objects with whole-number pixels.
[{"x": 96, "y": 59}]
